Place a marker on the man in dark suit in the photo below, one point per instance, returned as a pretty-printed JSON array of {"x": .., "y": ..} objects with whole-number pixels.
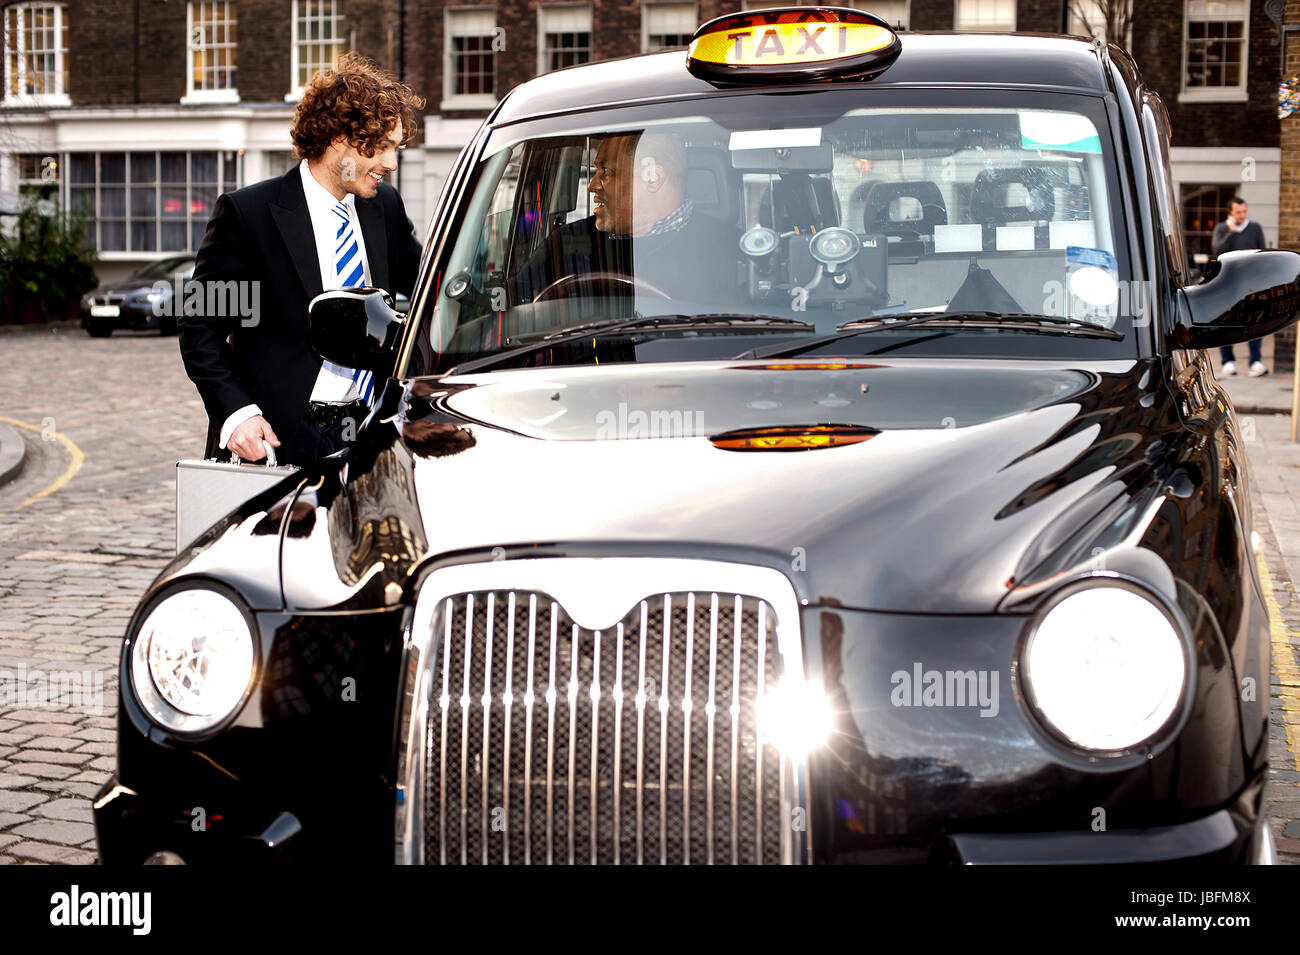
[{"x": 329, "y": 223}]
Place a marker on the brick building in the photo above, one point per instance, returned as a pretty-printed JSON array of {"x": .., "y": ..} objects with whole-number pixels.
[
  {"x": 1216, "y": 64},
  {"x": 141, "y": 112}
]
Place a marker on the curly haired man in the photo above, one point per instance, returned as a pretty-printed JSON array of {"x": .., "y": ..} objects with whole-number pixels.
[{"x": 331, "y": 222}]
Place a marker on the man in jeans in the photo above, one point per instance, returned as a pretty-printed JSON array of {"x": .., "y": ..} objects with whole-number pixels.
[{"x": 1238, "y": 232}]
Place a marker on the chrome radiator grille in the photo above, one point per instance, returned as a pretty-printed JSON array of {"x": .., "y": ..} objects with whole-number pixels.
[{"x": 547, "y": 742}]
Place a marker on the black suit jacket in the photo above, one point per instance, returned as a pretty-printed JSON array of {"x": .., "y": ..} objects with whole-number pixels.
[{"x": 263, "y": 233}]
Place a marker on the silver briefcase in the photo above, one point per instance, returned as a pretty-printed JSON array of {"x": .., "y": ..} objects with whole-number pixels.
[{"x": 207, "y": 491}]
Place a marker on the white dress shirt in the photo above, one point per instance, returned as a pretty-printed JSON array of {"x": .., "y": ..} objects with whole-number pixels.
[{"x": 325, "y": 227}]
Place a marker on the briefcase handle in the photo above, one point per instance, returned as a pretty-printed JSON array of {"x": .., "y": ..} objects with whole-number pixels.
[{"x": 270, "y": 455}]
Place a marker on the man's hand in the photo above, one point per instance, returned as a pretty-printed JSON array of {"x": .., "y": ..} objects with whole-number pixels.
[{"x": 246, "y": 440}]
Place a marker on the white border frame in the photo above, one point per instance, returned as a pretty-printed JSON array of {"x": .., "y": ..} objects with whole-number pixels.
[
  {"x": 61, "y": 66},
  {"x": 865, "y": 7},
  {"x": 645, "y": 20},
  {"x": 296, "y": 90},
  {"x": 1215, "y": 94},
  {"x": 450, "y": 98},
  {"x": 541, "y": 32},
  {"x": 956, "y": 29},
  {"x": 193, "y": 96}
]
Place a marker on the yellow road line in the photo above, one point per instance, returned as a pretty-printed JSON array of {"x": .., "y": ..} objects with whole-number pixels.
[
  {"x": 73, "y": 466},
  {"x": 1284, "y": 662}
]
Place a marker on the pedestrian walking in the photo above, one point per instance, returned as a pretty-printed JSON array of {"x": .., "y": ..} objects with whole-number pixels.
[{"x": 1234, "y": 233}]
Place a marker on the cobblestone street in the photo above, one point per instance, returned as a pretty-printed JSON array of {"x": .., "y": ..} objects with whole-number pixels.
[{"x": 74, "y": 563}]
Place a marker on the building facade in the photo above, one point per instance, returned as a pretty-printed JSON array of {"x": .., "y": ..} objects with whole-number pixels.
[{"x": 138, "y": 113}]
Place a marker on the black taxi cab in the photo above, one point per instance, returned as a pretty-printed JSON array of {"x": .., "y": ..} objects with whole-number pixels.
[{"x": 801, "y": 448}]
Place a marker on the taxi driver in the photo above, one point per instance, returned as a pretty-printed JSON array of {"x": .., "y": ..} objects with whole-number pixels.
[
  {"x": 638, "y": 183},
  {"x": 647, "y": 224}
]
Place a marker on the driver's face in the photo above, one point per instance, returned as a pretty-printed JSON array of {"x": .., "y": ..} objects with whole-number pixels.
[{"x": 611, "y": 186}]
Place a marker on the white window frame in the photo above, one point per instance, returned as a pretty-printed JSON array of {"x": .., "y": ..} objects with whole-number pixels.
[
  {"x": 334, "y": 17},
  {"x": 16, "y": 47},
  {"x": 1216, "y": 94},
  {"x": 450, "y": 98},
  {"x": 223, "y": 184},
  {"x": 866, "y": 6},
  {"x": 543, "y": 64},
  {"x": 995, "y": 28},
  {"x": 645, "y": 20},
  {"x": 193, "y": 95}
]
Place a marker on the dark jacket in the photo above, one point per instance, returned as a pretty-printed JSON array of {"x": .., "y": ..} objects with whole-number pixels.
[
  {"x": 1225, "y": 240},
  {"x": 263, "y": 233}
]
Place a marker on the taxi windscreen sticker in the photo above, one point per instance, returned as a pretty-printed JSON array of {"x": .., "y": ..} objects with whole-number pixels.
[
  {"x": 775, "y": 138},
  {"x": 1093, "y": 287},
  {"x": 1069, "y": 132}
]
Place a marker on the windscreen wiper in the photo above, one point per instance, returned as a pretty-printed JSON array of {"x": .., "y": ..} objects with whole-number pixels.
[
  {"x": 577, "y": 333},
  {"x": 1045, "y": 324}
]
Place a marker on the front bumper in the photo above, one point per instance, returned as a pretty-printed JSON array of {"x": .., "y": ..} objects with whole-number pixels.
[
  {"x": 1220, "y": 838},
  {"x": 131, "y": 830}
]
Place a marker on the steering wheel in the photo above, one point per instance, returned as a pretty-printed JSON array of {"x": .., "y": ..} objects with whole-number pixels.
[{"x": 611, "y": 281}]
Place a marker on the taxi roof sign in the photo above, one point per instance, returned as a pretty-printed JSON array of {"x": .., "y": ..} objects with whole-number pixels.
[{"x": 798, "y": 43}]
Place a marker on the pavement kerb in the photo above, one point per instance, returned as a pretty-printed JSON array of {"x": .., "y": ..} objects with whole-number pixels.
[
  {"x": 54, "y": 328},
  {"x": 13, "y": 452},
  {"x": 1243, "y": 408}
]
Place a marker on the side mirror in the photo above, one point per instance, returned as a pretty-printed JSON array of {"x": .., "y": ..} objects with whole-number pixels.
[
  {"x": 1253, "y": 293},
  {"x": 355, "y": 327}
]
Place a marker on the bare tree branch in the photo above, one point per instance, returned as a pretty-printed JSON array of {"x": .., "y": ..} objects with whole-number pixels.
[{"x": 1111, "y": 20}]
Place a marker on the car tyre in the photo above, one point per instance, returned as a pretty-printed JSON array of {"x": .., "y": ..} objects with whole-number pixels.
[{"x": 98, "y": 328}]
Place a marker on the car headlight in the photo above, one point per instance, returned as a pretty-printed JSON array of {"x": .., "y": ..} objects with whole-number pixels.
[
  {"x": 797, "y": 717},
  {"x": 1105, "y": 668},
  {"x": 192, "y": 659}
]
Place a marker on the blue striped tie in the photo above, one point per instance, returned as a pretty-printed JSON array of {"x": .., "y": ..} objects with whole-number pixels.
[{"x": 350, "y": 272}]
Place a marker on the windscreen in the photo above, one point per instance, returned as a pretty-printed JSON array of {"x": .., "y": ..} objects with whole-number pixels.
[{"x": 766, "y": 217}]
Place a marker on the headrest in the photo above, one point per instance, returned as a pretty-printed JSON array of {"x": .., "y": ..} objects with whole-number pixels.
[
  {"x": 709, "y": 182},
  {"x": 995, "y": 198},
  {"x": 880, "y": 198}
]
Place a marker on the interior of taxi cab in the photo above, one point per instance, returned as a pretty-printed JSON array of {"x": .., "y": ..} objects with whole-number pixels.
[{"x": 881, "y": 212}]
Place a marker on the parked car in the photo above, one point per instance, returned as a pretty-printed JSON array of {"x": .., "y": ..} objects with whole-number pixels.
[
  {"x": 909, "y": 524},
  {"x": 142, "y": 300}
]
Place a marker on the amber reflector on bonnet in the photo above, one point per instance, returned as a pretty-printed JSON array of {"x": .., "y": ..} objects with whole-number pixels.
[{"x": 793, "y": 438}]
